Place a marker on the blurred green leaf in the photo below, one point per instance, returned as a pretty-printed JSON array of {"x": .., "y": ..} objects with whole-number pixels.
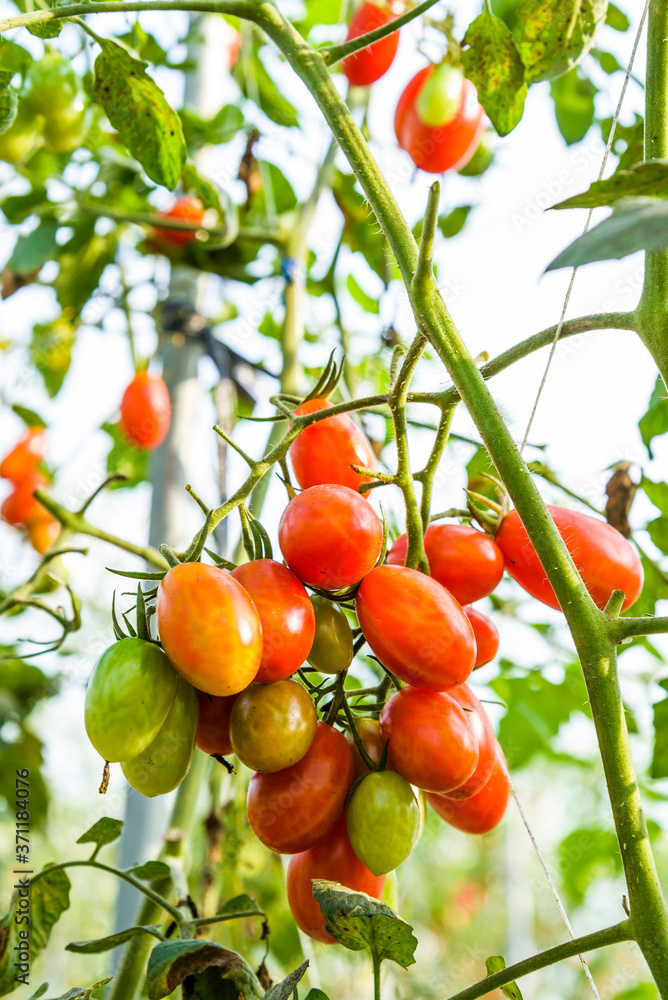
[
  {"x": 491, "y": 60},
  {"x": 658, "y": 532},
  {"x": 29, "y": 418},
  {"x": 35, "y": 249},
  {"x": 13, "y": 58},
  {"x": 125, "y": 459},
  {"x": 659, "y": 765},
  {"x": 657, "y": 493},
  {"x": 554, "y": 35},
  {"x": 150, "y": 870},
  {"x": 211, "y": 131},
  {"x": 45, "y": 29},
  {"x": 359, "y": 922},
  {"x": 271, "y": 100},
  {"x": 585, "y": 855},
  {"x": 616, "y": 18},
  {"x": 8, "y": 102},
  {"x": 107, "y": 943},
  {"x": 573, "y": 96},
  {"x": 24, "y": 751},
  {"x": 18, "y": 207},
  {"x": 453, "y": 223},
  {"x": 84, "y": 992},
  {"x": 238, "y": 904},
  {"x": 367, "y": 303},
  {"x": 627, "y": 143},
  {"x": 51, "y": 351},
  {"x": 49, "y": 898},
  {"x": 496, "y": 963},
  {"x": 360, "y": 228}
]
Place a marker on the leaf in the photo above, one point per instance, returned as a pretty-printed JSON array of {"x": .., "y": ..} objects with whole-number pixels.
[
  {"x": 554, "y": 35},
  {"x": 659, "y": 765},
  {"x": 453, "y": 223},
  {"x": 649, "y": 179},
  {"x": 137, "y": 109},
  {"x": 30, "y": 419},
  {"x": 627, "y": 143},
  {"x": 316, "y": 995},
  {"x": 8, "y": 103},
  {"x": 50, "y": 897},
  {"x": 40, "y": 991},
  {"x": 360, "y": 227},
  {"x": 51, "y": 351},
  {"x": 616, "y": 18},
  {"x": 586, "y": 854},
  {"x": 497, "y": 964},
  {"x": 367, "y": 303},
  {"x": 573, "y": 96},
  {"x": 84, "y": 992},
  {"x": 17, "y": 207},
  {"x": 635, "y": 224},
  {"x": 45, "y": 29},
  {"x": 239, "y": 904},
  {"x": 171, "y": 962},
  {"x": 284, "y": 990},
  {"x": 125, "y": 459},
  {"x": 111, "y": 941},
  {"x": 271, "y": 100},
  {"x": 150, "y": 871},
  {"x": 221, "y": 128},
  {"x": 13, "y": 58},
  {"x": 358, "y": 921},
  {"x": 104, "y": 832},
  {"x": 35, "y": 249},
  {"x": 657, "y": 493},
  {"x": 658, "y": 532},
  {"x": 492, "y": 61},
  {"x": 654, "y": 423}
]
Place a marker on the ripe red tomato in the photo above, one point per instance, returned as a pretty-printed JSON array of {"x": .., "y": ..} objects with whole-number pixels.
[
  {"x": 486, "y": 636},
  {"x": 369, "y": 733},
  {"x": 324, "y": 452},
  {"x": 603, "y": 557},
  {"x": 483, "y": 811},
  {"x": 369, "y": 64},
  {"x": 331, "y": 858},
  {"x": 146, "y": 411},
  {"x": 436, "y": 148},
  {"x": 467, "y": 562},
  {"x": 482, "y": 727},
  {"x": 432, "y": 743},
  {"x": 330, "y": 536},
  {"x": 415, "y": 628},
  {"x": 188, "y": 209},
  {"x": 292, "y": 809},
  {"x": 209, "y": 628},
  {"x": 21, "y": 507},
  {"x": 272, "y": 726},
  {"x": 43, "y": 532},
  {"x": 24, "y": 456},
  {"x": 213, "y": 727},
  {"x": 286, "y": 614}
]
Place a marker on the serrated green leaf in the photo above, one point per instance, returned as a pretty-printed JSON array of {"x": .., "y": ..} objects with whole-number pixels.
[
  {"x": 360, "y": 922},
  {"x": 137, "y": 109},
  {"x": 13, "y": 58},
  {"x": 35, "y": 249},
  {"x": 285, "y": 989},
  {"x": 554, "y": 35},
  {"x": 645, "y": 179},
  {"x": 367, "y": 303},
  {"x": 104, "y": 832},
  {"x": 497, "y": 964},
  {"x": 150, "y": 870},
  {"x": 173, "y": 961},
  {"x": 573, "y": 96},
  {"x": 51, "y": 351},
  {"x": 111, "y": 941},
  {"x": 492, "y": 61},
  {"x": 30, "y": 419},
  {"x": 635, "y": 224}
]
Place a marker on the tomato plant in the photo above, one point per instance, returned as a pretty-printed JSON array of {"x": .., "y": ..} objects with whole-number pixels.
[
  {"x": 324, "y": 452},
  {"x": 273, "y": 725},
  {"x": 146, "y": 411}
]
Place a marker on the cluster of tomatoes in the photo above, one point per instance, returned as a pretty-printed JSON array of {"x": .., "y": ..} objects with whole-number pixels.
[
  {"x": 23, "y": 467},
  {"x": 438, "y": 119},
  {"x": 245, "y": 657}
]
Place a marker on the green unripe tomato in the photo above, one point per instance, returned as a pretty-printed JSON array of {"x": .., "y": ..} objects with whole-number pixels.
[
  {"x": 21, "y": 138},
  {"x": 129, "y": 694},
  {"x": 483, "y": 157},
  {"x": 383, "y": 820},
  {"x": 165, "y": 762},
  {"x": 440, "y": 98},
  {"x": 51, "y": 85},
  {"x": 65, "y": 131},
  {"x": 332, "y": 649}
]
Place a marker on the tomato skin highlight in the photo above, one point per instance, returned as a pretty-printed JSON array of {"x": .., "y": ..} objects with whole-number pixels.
[
  {"x": 368, "y": 65},
  {"x": 467, "y": 562},
  {"x": 483, "y": 811},
  {"x": 291, "y": 810},
  {"x": 416, "y": 628},
  {"x": 330, "y": 536},
  {"x": 432, "y": 742},
  {"x": 383, "y": 821},
  {"x": 605, "y": 560},
  {"x": 323, "y": 452},
  {"x": 484, "y": 732},
  {"x": 332, "y": 648},
  {"x": 213, "y": 727},
  {"x": 436, "y": 149},
  {"x": 286, "y": 615},
  {"x": 331, "y": 858},
  {"x": 197, "y": 606},
  {"x": 21, "y": 508},
  {"x": 486, "y": 636},
  {"x": 146, "y": 411},
  {"x": 187, "y": 209},
  {"x": 272, "y": 726},
  {"x": 25, "y": 456}
]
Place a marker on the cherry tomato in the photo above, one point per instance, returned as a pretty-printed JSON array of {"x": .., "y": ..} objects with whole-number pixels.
[
  {"x": 325, "y": 451},
  {"x": 369, "y": 732},
  {"x": 286, "y": 614},
  {"x": 603, "y": 557},
  {"x": 331, "y": 858},
  {"x": 432, "y": 743},
  {"x": 443, "y": 147},
  {"x": 415, "y": 628},
  {"x": 369, "y": 64},
  {"x": 209, "y": 628},
  {"x": 332, "y": 649},
  {"x": 292, "y": 809},
  {"x": 166, "y": 760},
  {"x": 272, "y": 725},
  {"x": 467, "y": 562},
  {"x": 43, "y": 532},
  {"x": 24, "y": 456},
  {"x": 146, "y": 411},
  {"x": 486, "y": 636},
  {"x": 330, "y": 536},
  {"x": 483, "y": 811},
  {"x": 129, "y": 694},
  {"x": 51, "y": 85},
  {"x": 383, "y": 821},
  {"x": 213, "y": 727},
  {"x": 65, "y": 131},
  {"x": 21, "y": 507},
  {"x": 482, "y": 727},
  {"x": 187, "y": 209}
]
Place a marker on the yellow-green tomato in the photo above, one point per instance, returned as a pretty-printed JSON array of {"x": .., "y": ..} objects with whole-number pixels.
[
  {"x": 383, "y": 820},
  {"x": 65, "y": 131},
  {"x": 272, "y": 725},
  {"x": 164, "y": 763},
  {"x": 21, "y": 138},
  {"x": 129, "y": 694},
  {"x": 51, "y": 85},
  {"x": 332, "y": 649}
]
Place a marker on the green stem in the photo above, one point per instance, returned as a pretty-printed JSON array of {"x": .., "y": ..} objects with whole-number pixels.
[
  {"x": 238, "y": 8},
  {"x": 334, "y": 53},
  {"x": 424, "y": 268},
  {"x": 578, "y": 946},
  {"x": 220, "y": 918},
  {"x": 624, "y": 628},
  {"x": 376, "y": 976}
]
